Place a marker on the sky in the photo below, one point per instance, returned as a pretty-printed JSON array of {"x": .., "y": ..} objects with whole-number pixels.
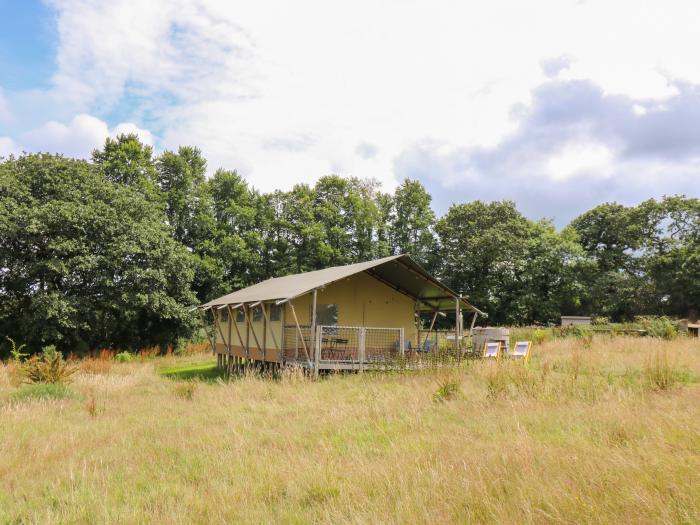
[{"x": 558, "y": 105}]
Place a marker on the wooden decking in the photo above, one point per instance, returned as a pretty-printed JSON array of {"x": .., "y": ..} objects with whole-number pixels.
[{"x": 355, "y": 348}]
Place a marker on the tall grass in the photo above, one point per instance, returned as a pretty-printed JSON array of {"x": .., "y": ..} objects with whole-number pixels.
[{"x": 577, "y": 436}]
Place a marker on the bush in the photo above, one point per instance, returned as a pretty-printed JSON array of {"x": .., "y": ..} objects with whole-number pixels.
[
  {"x": 49, "y": 367},
  {"x": 447, "y": 390},
  {"x": 42, "y": 391},
  {"x": 124, "y": 357},
  {"x": 16, "y": 352},
  {"x": 658, "y": 326},
  {"x": 539, "y": 336}
]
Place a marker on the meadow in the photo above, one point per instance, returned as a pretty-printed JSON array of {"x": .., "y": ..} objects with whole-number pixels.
[{"x": 605, "y": 430}]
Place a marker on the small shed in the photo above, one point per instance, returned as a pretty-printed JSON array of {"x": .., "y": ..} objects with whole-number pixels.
[
  {"x": 344, "y": 317},
  {"x": 694, "y": 330},
  {"x": 574, "y": 320}
]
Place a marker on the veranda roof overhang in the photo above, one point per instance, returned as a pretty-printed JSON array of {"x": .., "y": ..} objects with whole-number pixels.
[{"x": 399, "y": 272}]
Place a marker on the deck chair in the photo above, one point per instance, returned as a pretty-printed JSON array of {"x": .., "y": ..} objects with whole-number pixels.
[
  {"x": 492, "y": 349},
  {"x": 521, "y": 350}
]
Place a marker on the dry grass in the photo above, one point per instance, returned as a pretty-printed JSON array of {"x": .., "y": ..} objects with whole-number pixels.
[{"x": 579, "y": 436}]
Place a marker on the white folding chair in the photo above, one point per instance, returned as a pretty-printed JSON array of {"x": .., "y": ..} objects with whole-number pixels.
[
  {"x": 521, "y": 350},
  {"x": 492, "y": 349}
]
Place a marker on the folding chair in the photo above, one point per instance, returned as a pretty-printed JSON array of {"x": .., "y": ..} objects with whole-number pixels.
[
  {"x": 492, "y": 349},
  {"x": 521, "y": 350}
]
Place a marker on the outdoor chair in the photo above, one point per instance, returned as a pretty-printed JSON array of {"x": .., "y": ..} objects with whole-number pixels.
[
  {"x": 521, "y": 350},
  {"x": 406, "y": 345},
  {"x": 492, "y": 350},
  {"x": 427, "y": 345}
]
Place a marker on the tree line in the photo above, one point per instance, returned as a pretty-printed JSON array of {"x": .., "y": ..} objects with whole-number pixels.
[{"x": 115, "y": 251}]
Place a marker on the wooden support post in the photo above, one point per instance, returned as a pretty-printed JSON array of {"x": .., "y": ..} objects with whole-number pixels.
[
  {"x": 316, "y": 347},
  {"x": 264, "y": 341},
  {"x": 471, "y": 328},
  {"x": 218, "y": 326},
  {"x": 247, "y": 337},
  {"x": 361, "y": 348},
  {"x": 228, "y": 311},
  {"x": 457, "y": 324},
  {"x": 283, "y": 334},
  {"x": 206, "y": 331},
  {"x": 416, "y": 314},
  {"x": 272, "y": 332},
  {"x": 231, "y": 315},
  {"x": 301, "y": 334},
  {"x": 432, "y": 323}
]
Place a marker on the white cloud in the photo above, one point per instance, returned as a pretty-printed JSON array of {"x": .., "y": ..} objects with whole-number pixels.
[
  {"x": 580, "y": 158},
  {"x": 6, "y": 115},
  {"x": 288, "y": 91},
  {"x": 129, "y": 128},
  {"x": 78, "y": 137},
  {"x": 9, "y": 147},
  {"x": 574, "y": 146}
]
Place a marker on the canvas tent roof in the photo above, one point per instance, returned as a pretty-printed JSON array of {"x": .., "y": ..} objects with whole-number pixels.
[{"x": 399, "y": 272}]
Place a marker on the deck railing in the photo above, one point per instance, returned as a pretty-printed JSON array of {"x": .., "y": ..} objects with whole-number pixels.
[
  {"x": 360, "y": 347},
  {"x": 441, "y": 340}
]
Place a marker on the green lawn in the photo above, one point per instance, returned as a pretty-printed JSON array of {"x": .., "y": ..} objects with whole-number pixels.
[{"x": 206, "y": 371}]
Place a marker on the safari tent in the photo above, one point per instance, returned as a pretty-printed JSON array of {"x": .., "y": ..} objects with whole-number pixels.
[{"x": 353, "y": 317}]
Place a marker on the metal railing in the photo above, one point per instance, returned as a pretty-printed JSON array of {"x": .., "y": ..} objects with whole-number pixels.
[{"x": 360, "y": 347}]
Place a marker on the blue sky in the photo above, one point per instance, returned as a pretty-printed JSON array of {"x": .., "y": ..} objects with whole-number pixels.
[
  {"x": 556, "y": 104},
  {"x": 28, "y": 41}
]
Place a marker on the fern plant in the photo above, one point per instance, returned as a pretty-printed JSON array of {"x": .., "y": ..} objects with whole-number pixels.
[
  {"x": 17, "y": 354},
  {"x": 49, "y": 367}
]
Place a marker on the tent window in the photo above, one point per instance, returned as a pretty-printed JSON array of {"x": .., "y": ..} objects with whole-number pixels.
[
  {"x": 275, "y": 312},
  {"x": 240, "y": 316},
  {"x": 326, "y": 314},
  {"x": 223, "y": 315},
  {"x": 257, "y": 313}
]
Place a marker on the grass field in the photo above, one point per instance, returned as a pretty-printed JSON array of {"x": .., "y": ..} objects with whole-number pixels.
[{"x": 604, "y": 434}]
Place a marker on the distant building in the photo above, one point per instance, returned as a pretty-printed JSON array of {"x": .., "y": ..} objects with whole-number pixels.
[
  {"x": 693, "y": 330},
  {"x": 573, "y": 320},
  {"x": 345, "y": 317}
]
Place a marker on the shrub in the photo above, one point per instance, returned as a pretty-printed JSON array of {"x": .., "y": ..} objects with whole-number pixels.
[
  {"x": 49, "y": 367},
  {"x": 49, "y": 352},
  {"x": 17, "y": 354},
  {"x": 124, "y": 357},
  {"x": 182, "y": 347},
  {"x": 658, "y": 326},
  {"x": 539, "y": 336},
  {"x": 41, "y": 391},
  {"x": 447, "y": 390}
]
